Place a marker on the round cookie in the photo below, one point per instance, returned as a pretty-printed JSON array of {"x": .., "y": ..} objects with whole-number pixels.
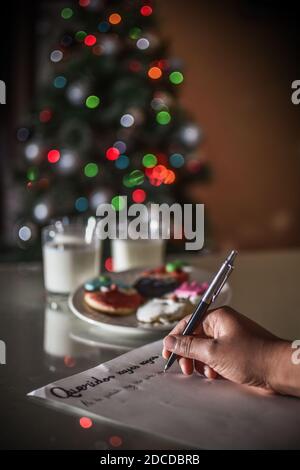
[
  {"x": 114, "y": 300},
  {"x": 155, "y": 287},
  {"x": 191, "y": 290},
  {"x": 164, "y": 311}
]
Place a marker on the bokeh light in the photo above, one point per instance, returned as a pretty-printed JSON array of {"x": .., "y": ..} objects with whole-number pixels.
[
  {"x": 60, "y": 81},
  {"x": 149, "y": 160},
  {"x": 32, "y": 151},
  {"x": 155, "y": 73},
  {"x": 176, "y": 160},
  {"x": 92, "y": 101},
  {"x": 146, "y": 10},
  {"x": 120, "y": 145},
  {"x": 135, "y": 32},
  {"x": 23, "y": 134},
  {"x": 115, "y": 441},
  {"x": 103, "y": 27},
  {"x": 176, "y": 77},
  {"x": 67, "y": 13},
  {"x": 81, "y": 204},
  {"x": 24, "y": 233},
  {"x": 41, "y": 212},
  {"x": 135, "y": 178},
  {"x": 138, "y": 196},
  {"x": 163, "y": 117},
  {"x": 159, "y": 172},
  {"x": 115, "y": 18},
  {"x": 112, "y": 153},
  {"x": 109, "y": 265},
  {"x": 85, "y": 422},
  {"x": 45, "y": 115},
  {"x": 56, "y": 56},
  {"x": 170, "y": 177},
  {"x": 142, "y": 44},
  {"x": 118, "y": 203},
  {"x": 90, "y": 40},
  {"x": 80, "y": 35},
  {"x": 127, "y": 120},
  {"x": 84, "y": 3},
  {"x": 122, "y": 162},
  {"x": 91, "y": 170},
  {"x": 53, "y": 156}
]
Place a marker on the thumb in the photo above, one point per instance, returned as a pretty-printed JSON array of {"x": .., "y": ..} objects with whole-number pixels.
[{"x": 192, "y": 347}]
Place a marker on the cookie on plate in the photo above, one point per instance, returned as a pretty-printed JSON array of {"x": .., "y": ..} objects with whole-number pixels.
[
  {"x": 114, "y": 300},
  {"x": 191, "y": 290},
  {"x": 164, "y": 311},
  {"x": 160, "y": 281}
]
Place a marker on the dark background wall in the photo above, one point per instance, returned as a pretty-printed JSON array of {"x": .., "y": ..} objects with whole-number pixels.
[{"x": 241, "y": 58}]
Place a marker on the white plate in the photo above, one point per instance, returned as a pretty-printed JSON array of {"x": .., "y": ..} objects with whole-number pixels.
[{"x": 129, "y": 324}]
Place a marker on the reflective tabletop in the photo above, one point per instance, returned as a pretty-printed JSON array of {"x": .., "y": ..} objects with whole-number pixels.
[{"x": 46, "y": 342}]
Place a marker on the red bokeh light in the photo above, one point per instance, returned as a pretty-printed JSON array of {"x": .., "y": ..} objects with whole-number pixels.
[
  {"x": 53, "y": 156},
  {"x": 115, "y": 441},
  {"x": 146, "y": 10},
  {"x": 85, "y": 422},
  {"x": 84, "y": 3},
  {"x": 45, "y": 115},
  {"x": 159, "y": 172},
  {"x": 108, "y": 264},
  {"x": 112, "y": 153},
  {"x": 138, "y": 196},
  {"x": 90, "y": 40},
  {"x": 69, "y": 361}
]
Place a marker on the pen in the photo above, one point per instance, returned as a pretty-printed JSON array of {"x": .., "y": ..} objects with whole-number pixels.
[{"x": 208, "y": 298}]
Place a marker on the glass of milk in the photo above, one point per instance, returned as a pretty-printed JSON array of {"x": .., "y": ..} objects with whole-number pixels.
[
  {"x": 128, "y": 254},
  {"x": 71, "y": 255}
]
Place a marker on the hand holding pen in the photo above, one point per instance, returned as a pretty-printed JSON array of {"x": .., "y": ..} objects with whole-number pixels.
[{"x": 208, "y": 298}]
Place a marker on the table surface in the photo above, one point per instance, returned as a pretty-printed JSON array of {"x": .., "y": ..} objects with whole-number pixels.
[{"x": 40, "y": 350}]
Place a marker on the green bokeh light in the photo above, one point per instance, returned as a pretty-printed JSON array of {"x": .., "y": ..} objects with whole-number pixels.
[
  {"x": 32, "y": 173},
  {"x": 149, "y": 160},
  {"x": 80, "y": 35},
  {"x": 118, "y": 203},
  {"x": 67, "y": 13},
  {"x": 176, "y": 77},
  {"x": 163, "y": 118},
  {"x": 92, "y": 101},
  {"x": 91, "y": 170},
  {"x": 135, "y": 33}
]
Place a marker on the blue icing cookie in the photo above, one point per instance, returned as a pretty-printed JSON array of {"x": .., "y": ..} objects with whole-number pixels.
[{"x": 96, "y": 283}]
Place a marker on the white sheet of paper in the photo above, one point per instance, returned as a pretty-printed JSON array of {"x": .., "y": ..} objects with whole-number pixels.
[{"x": 133, "y": 390}]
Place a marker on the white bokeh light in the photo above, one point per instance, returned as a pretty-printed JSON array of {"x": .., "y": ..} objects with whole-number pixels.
[{"x": 127, "y": 120}]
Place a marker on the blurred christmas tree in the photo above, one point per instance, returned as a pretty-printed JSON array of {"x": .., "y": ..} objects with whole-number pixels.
[{"x": 107, "y": 121}]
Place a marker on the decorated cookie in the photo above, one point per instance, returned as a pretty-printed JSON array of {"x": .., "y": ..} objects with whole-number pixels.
[
  {"x": 114, "y": 300},
  {"x": 96, "y": 283},
  {"x": 163, "y": 311},
  {"x": 155, "y": 286},
  {"x": 160, "y": 281},
  {"x": 100, "y": 282},
  {"x": 191, "y": 290}
]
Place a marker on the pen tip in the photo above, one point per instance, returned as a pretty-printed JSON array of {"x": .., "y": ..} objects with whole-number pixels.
[{"x": 166, "y": 368}]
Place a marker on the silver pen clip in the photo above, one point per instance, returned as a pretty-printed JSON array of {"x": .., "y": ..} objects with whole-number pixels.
[{"x": 230, "y": 269}]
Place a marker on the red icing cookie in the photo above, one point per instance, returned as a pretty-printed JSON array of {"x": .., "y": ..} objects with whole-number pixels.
[{"x": 114, "y": 301}]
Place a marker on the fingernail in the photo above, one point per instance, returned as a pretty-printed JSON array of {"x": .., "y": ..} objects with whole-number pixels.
[{"x": 170, "y": 342}]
